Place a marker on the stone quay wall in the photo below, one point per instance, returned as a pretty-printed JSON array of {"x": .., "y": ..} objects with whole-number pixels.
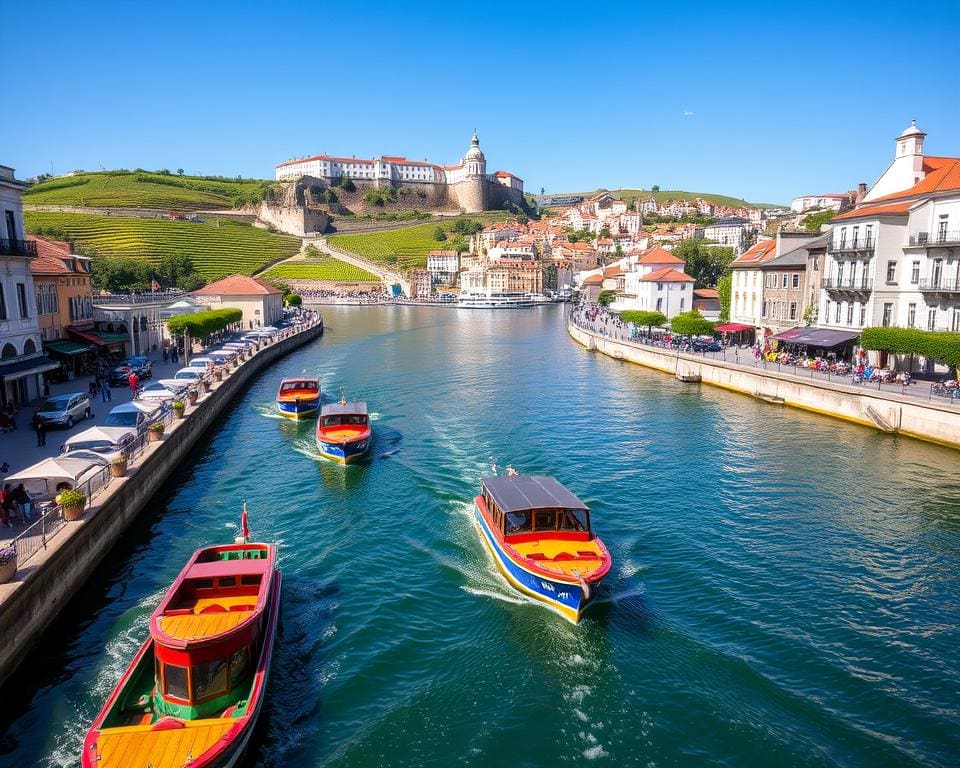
[
  {"x": 884, "y": 411},
  {"x": 53, "y": 577}
]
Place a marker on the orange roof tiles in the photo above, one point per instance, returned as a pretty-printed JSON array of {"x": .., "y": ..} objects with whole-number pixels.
[
  {"x": 593, "y": 280},
  {"x": 758, "y": 254},
  {"x": 238, "y": 285},
  {"x": 658, "y": 255},
  {"x": 706, "y": 293},
  {"x": 891, "y": 209},
  {"x": 667, "y": 275},
  {"x": 942, "y": 175}
]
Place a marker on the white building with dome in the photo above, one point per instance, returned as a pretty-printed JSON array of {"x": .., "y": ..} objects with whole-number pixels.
[{"x": 467, "y": 183}]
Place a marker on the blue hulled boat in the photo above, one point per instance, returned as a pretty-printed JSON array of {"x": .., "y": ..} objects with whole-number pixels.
[
  {"x": 343, "y": 431},
  {"x": 299, "y": 398}
]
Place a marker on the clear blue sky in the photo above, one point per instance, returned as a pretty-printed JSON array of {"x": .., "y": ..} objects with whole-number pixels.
[{"x": 757, "y": 100}]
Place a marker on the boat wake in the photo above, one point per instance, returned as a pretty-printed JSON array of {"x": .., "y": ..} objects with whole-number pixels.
[{"x": 496, "y": 595}]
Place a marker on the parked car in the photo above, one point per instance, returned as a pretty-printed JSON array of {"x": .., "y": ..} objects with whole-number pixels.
[
  {"x": 706, "y": 346},
  {"x": 64, "y": 410},
  {"x": 138, "y": 365},
  {"x": 200, "y": 362},
  {"x": 190, "y": 375},
  {"x": 108, "y": 442},
  {"x": 222, "y": 356},
  {"x": 138, "y": 414},
  {"x": 164, "y": 392}
]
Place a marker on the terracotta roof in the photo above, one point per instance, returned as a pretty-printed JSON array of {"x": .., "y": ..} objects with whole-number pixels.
[
  {"x": 658, "y": 255},
  {"x": 706, "y": 293},
  {"x": 942, "y": 175},
  {"x": 758, "y": 254},
  {"x": 505, "y": 174},
  {"x": 593, "y": 280},
  {"x": 238, "y": 285},
  {"x": 614, "y": 271},
  {"x": 891, "y": 209},
  {"x": 50, "y": 256},
  {"x": 667, "y": 275}
]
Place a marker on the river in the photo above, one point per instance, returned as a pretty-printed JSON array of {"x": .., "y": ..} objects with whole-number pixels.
[{"x": 785, "y": 588}]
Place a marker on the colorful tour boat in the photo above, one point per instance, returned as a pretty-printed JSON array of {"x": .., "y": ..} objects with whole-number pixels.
[
  {"x": 193, "y": 692},
  {"x": 343, "y": 431},
  {"x": 539, "y": 535},
  {"x": 299, "y": 398}
]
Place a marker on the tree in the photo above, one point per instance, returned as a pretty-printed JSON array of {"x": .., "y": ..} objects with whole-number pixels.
[
  {"x": 439, "y": 235},
  {"x": 644, "y": 318},
  {"x": 691, "y": 323},
  {"x": 458, "y": 244},
  {"x": 179, "y": 171},
  {"x": 176, "y": 270},
  {"x": 347, "y": 183},
  {"x": 655, "y": 188},
  {"x": 605, "y": 299},
  {"x": 605, "y": 231},
  {"x": 541, "y": 191},
  {"x": 292, "y": 300},
  {"x": 705, "y": 264},
  {"x": 724, "y": 289},
  {"x": 815, "y": 221},
  {"x": 116, "y": 275}
]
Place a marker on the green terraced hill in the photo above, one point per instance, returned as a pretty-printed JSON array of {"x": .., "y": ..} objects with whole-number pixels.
[
  {"x": 142, "y": 189},
  {"x": 324, "y": 269},
  {"x": 668, "y": 195},
  {"x": 217, "y": 246},
  {"x": 404, "y": 248}
]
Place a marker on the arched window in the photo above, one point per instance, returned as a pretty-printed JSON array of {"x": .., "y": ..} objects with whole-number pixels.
[
  {"x": 29, "y": 347},
  {"x": 8, "y": 351}
]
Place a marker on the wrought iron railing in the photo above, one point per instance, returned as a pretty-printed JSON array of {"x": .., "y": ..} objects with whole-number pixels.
[
  {"x": 944, "y": 238},
  {"x": 944, "y": 285},
  {"x": 865, "y": 245},
  {"x": 18, "y": 247},
  {"x": 863, "y": 284}
]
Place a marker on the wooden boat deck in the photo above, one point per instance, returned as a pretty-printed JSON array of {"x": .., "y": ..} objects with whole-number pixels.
[
  {"x": 140, "y": 746},
  {"x": 207, "y": 617},
  {"x": 562, "y": 556}
]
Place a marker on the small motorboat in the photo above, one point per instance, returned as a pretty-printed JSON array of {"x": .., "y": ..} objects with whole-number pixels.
[
  {"x": 192, "y": 694},
  {"x": 539, "y": 535},
  {"x": 343, "y": 431},
  {"x": 299, "y": 398}
]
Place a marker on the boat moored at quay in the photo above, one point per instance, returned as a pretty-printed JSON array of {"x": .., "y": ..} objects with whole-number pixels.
[
  {"x": 299, "y": 398},
  {"x": 192, "y": 694},
  {"x": 540, "y": 538},
  {"x": 343, "y": 431},
  {"x": 494, "y": 299}
]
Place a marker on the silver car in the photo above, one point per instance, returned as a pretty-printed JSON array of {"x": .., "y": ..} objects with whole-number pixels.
[{"x": 64, "y": 410}]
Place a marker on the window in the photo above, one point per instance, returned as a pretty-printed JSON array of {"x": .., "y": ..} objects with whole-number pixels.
[
  {"x": 659, "y": 305},
  {"x": 915, "y": 273},
  {"x": 850, "y": 313},
  {"x": 175, "y": 682},
  {"x": 856, "y": 236},
  {"x": 763, "y": 309},
  {"x": 783, "y": 283},
  {"x": 681, "y": 303},
  {"x": 931, "y": 319},
  {"x": 863, "y": 314},
  {"x": 518, "y": 522},
  {"x": 573, "y": 520},
  {"x": 891, "y": 272},
  {"x": 837, "y": 315},
  {"x": 843, "y": 238},
  {"x": 887, "y": 315},
  {"x": 796, "y": 281},
  {"x": 955, "y": 326},
  {"x": 911, "y": 315},
  {"x": 545, "y": 520},
  {"x": 210, "y": 680},
  {"x": 22, "y": 299},
  {"x": 239, "y": 665},
  {"x": 39, "y": 304},
  {"x": 937, "y": 272},
  {"x": 826, "y": 314},
  {"x": 942, "y": 229},
  {"x": 839, "y": 273},
  {"x": 816, "y": 263},
  {"x": 793, "y": 310}
]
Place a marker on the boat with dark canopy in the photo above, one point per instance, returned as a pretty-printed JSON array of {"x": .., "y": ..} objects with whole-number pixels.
[{"x": 540, "y": 537}]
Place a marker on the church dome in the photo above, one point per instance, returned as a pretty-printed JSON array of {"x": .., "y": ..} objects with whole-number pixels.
[
  {"x": 474, "y": 153},
  {"x": 911, "y": 130}
]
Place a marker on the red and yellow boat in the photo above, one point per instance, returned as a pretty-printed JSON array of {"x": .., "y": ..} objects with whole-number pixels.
[
  {"x": 194, "y": 691},
  {"x": 539, "y": 535},
  {"x": 343, "y": 431},
  {"x": 299, "y": 398}
]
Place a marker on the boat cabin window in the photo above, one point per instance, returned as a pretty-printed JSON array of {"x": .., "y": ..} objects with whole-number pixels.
[
  {"x": 210, "y": 680},
  {"x": 202, "y": 583},
  {"x": 175, "y": 682},
  {"x": 344, "y": 419},
  {"x": 228, "y": 581},
  {"x": 250, "y": 581},
  {"x": 574, "y": 520},
  {"x": 292, "y": 386},
  {"x": 239, "y": 664},
  {"x": 545, "y": 520},
  {"x": 519, "y": 522}
]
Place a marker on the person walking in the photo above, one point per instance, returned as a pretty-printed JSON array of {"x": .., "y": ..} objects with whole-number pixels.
[
  {"x": 6, "y": 505},
  {"x": 105, "y": 392},
  {"x": 134, "y": 382},
  {"x": 41, "y": 429},
  {"x": 21, "y": 500},
  {"x": 166, "y": 354}
]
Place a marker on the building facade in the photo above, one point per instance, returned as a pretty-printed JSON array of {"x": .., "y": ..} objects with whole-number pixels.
[
  {"x": 830, "y": 201},
  {"x": 261, "y": 302}
]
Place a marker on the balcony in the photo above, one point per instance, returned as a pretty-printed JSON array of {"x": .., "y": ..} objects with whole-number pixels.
[
  {"x": 943, "y": 285},
  {"x": 18, "y": 247},
  {"x": 863, "y": 285},
  {"x": 944, "y": 239},
  {"x": 856, "y": 247}
]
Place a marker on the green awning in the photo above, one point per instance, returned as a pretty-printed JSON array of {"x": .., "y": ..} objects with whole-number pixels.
[
  {"x": 113, "y": 338},
  {"x": 65, "y": 347}
]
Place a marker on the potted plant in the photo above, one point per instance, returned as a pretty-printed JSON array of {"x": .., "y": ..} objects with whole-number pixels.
[
  {"x": 8, "y": 563},
  {"x": 72, "y": 502},
  {"x": 118, "y": 467},
  {"x": 155, "y": 432},
  {"x": 178, "y": 408},
  {"x": 192, "y": 396}
]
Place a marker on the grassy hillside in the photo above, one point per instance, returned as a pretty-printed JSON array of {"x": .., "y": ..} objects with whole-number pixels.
[
  {"x": 322, "y": 269},
  {"x": 666, "y": 195},
  {"x": 404, "y": 248},
  {"x": 217, "y": 246},
  {"x": 141, "y": 189}
]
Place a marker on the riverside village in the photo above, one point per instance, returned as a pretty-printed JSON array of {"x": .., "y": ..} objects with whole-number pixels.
[{"x": 369, "y": 437}]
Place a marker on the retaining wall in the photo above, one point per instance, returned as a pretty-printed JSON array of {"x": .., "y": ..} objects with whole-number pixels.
[
  {"x": 888, "y": 412},
  {"x": 50, "y": 579}
]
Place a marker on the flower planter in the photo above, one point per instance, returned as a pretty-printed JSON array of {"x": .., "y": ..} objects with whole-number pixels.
[
  {"x": 192, "y": 397},
  {"x": 118, "y": 468},
  {"x": 73, "y": 513},
  {"x": 154, "y": 436},
  {"x": 178, "y": 412},
  {"x": 218, "y": 375}
]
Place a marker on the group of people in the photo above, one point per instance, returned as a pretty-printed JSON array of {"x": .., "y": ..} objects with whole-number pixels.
[{"x": 14, "y": 502}]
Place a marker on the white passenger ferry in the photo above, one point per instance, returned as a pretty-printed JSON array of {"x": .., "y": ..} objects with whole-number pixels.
[{"x": 494, "y": 300}]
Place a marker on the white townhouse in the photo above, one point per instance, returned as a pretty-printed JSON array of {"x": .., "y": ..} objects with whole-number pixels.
[
  {"x": 829, "y": 201},
  {"x": 730, "y": 232},
  {"x": 443, "y": 266},
  {"x": 22, "y": 362},
  {"x": 655, "y": 281},
  {"x": 895, "y": 259},
  {"x": 746, "y": 293}
]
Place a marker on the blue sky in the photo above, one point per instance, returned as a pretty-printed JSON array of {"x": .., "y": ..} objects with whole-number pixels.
[{"x": 762, "y": 101}]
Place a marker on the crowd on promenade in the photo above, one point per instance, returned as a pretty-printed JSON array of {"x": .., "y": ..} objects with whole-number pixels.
[
  {"x": 857, "y": 371},
  {"x": 377, "y": 296}
]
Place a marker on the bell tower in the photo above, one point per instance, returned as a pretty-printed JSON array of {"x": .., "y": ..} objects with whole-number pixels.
[{"x": 906, "y": 170}]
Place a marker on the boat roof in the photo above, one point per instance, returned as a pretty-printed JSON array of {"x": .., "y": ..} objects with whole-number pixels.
[
  {"x": 346, "y": 409},
  {"x": 300, "y": 380},
  {"x": 512, "y": 493}
]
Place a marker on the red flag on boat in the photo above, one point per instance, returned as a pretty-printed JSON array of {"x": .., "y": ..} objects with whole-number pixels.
[{"x": 244, "y": 527}]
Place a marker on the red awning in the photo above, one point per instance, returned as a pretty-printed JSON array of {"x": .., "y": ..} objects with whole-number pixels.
[
  {"x": 732, "y": 327},
  {"x": 91, "y": 337}
]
